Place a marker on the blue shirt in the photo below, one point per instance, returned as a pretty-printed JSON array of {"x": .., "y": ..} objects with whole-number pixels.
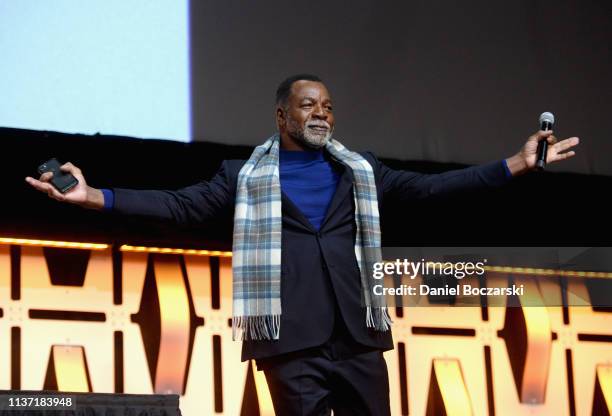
[{"x": 310, "y": 181}]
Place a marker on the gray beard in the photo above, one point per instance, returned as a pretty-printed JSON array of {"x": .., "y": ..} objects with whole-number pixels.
[{"x": 307, "y": 136}]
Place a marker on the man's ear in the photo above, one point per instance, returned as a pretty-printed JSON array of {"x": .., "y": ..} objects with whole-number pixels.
[{"x": 281, "y": 120}]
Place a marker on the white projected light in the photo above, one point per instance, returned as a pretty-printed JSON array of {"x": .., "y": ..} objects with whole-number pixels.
[{"x": 112, "y": 66}]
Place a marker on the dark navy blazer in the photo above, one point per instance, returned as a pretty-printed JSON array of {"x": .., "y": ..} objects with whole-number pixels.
[{"x": 320, "y": 275}]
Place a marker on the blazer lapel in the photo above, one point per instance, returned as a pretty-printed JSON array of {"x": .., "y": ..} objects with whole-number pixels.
[
  {"x": 345, "y": 184},
  {"x": 295, "y": 213}
]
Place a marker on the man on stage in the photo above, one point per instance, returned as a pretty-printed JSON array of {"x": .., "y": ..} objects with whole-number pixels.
[{"x": 306, "y": 227}]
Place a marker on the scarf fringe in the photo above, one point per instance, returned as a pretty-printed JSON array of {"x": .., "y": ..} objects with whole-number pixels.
[
  {"x": 256, "y": 327},
  {"x": 378, "y": 318}
]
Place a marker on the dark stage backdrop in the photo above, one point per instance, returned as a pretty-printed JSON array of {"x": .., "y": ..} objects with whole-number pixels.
[{"x": 443, "y": 81}]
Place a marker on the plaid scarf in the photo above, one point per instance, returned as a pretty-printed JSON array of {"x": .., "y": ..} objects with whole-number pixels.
[{"x": 256, "y": 261}]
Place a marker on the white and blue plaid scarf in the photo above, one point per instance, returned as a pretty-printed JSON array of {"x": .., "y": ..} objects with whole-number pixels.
[{"x": 256, "y": 259}]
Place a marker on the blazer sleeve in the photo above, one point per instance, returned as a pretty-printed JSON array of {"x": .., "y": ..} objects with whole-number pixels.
[
  {"x": 187, "y": 206},
  {"x": 404, "y": 185}
]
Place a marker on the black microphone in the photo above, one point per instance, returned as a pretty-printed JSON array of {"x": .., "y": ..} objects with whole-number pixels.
[{"x": 546, "y": 123}]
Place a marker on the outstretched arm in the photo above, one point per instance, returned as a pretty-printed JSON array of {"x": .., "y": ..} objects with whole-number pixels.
[
  {"x": 190, "y": 205},
  {"x": 404, "y": 185},
  {"x": 187, "y": 206}
]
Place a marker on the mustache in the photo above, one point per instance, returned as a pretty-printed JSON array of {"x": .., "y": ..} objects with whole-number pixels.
[{"x": 318, "y": 123}]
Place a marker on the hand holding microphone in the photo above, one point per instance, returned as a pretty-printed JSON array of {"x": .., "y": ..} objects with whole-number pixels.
[{"x": 541, "y": 148}]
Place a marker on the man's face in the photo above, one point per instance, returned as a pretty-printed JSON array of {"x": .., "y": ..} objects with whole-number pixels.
[{"x": 308, "y": 118}]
